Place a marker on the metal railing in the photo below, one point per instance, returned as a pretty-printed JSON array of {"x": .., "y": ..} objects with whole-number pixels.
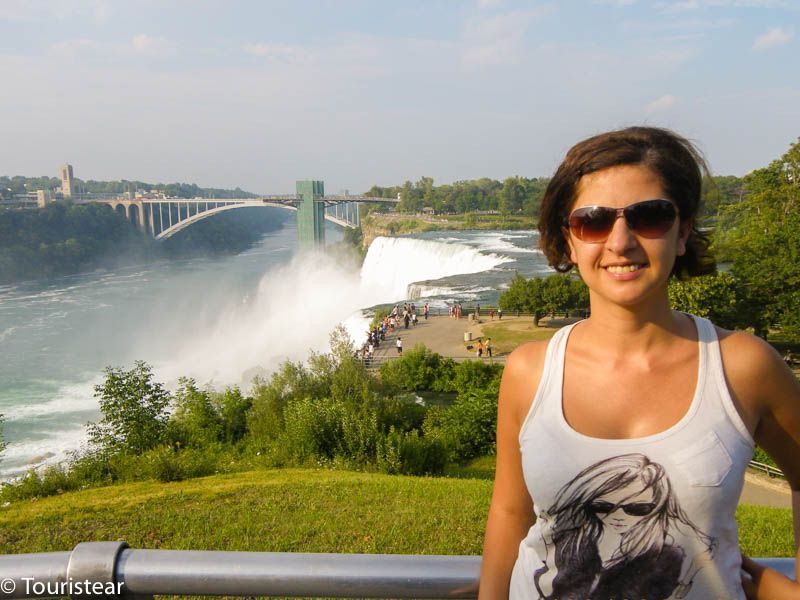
[
  {"x": 113, "y": 570},
  {"x": 768, "y": 469}
]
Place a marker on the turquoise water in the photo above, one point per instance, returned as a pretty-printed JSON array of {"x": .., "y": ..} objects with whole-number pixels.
[{"x": 220, "y": 320}]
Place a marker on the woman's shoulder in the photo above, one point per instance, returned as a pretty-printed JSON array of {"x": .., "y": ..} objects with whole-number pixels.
[{"x": 755, "y": 372}]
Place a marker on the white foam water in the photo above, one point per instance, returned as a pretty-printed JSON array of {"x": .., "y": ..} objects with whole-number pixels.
[{"x": 229, "y": 335}]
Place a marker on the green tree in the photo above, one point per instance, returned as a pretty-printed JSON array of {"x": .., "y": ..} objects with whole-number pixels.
[
  {"x": 195, "y": 421},
  {"x": 717, "y": 297},
  {"x": 762, "y": 234},
  {"x": 134, "y": 411},
  {"x": 512, "y": 196}
]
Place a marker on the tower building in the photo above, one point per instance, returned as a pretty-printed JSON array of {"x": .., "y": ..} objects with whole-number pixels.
[{"x": 67, "y": 185}]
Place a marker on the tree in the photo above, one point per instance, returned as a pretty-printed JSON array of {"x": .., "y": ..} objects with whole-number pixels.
[
  {"x": 512, "y": 196},
  {"x": 134, "y": 411},
  {"x": 762, "y": 234},
  {"x": 717, "y": 297},
  {"x": 553, "y": 294}
]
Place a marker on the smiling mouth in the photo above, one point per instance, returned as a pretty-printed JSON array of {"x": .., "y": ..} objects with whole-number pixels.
[{"x": 625, "y": 268}]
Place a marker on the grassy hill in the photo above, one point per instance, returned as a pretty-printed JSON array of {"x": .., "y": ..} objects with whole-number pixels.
[{"x": 296, "y": 510}]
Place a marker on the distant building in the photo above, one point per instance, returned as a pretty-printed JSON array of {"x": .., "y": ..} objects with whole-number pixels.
[
  {"x": 67, "y": 181},
  {"x": 42, "y": 198}
]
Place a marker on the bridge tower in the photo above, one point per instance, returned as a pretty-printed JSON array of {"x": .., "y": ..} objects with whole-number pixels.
[{"x": 311, "y": 214}]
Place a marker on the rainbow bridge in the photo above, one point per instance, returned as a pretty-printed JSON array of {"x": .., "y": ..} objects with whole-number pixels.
[{"x": 164, "y": 217}]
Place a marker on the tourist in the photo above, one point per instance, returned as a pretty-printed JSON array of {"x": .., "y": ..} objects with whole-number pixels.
[
  {"x": 499, "y": 314},
  {"x": 425, "y": 310},
  {"x": 399, "y": 345},
  {"x": 479, "y": 349},
  {"x": 631, "y": 430},
  {"x": 488, "y": 347}
]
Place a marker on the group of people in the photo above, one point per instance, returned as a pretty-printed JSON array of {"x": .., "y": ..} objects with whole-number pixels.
[
  {"x": 388, "y": 325},
  {"x": 483, "y": 347}
]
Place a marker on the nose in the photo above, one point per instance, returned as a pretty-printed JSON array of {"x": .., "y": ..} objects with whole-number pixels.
[{"x": 621, "y": 238}]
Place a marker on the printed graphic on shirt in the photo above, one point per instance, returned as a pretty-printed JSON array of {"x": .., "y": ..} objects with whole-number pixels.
[{"x": 616, "y": 530}]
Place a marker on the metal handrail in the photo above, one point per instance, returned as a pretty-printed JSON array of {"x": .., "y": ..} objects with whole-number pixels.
[
  {"x": 768, "y": 469},
  {"x": 120, "y": 571}
]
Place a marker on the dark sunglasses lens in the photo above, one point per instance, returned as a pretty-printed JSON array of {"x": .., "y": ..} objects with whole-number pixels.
[
  {"x": 593, "y": 223},
  {"x": 638, "y": 509},
  {"x": 602, "y": 507},
  {"x": 651, "y": 218}
]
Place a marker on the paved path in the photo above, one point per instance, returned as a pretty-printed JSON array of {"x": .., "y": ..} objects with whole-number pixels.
[{"x": 445, "y": 336}]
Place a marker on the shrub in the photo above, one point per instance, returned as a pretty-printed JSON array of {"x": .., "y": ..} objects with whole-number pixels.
[
  {"x": 195, "y": 421},
  {"x": 469, "y": 427},
  {"x": 419, "y": 369},
  {"x": 409, "y": 453},
  {"x": 134, "y": 411}
]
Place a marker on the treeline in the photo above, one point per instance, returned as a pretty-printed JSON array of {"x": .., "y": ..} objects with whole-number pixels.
[
  {"x": 757, "y": 235},
  {"x": 9, "y": 186},
  {"x": 329, "y": 412},
  {"x": 519, "y": 195},
  {"x": 63, "y": 239}
]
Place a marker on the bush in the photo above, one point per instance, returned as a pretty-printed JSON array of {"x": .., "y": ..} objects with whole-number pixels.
[
  {"x": 134, "y": 411},
  {"x": 419, "y": 369},
  {"x": 195, "y": 422},
  {"x": 409, "y": 453},
  {"x": 469, "y": 427}
]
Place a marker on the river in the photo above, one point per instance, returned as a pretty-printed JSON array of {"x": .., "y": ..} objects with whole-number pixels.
[{"x": 218, "y": 320}]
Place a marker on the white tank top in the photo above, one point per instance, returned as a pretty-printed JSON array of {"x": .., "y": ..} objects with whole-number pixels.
[{"x": 632, "y": 519}]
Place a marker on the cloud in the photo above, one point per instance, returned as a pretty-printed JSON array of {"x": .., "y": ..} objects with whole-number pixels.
[
  {"x": 617, "y": 3},
  {"x": 147, "y": 45},
  {"x": 489, "y": 3},
  {"x": 41, "y": 10},
  {"x": 283, "y": 53},
  {"x": 663, "y": 103},
  {"x": 72, "y": 49},
  {"x": 498, "y": 39},
  {"x": 777, "y": 36}
]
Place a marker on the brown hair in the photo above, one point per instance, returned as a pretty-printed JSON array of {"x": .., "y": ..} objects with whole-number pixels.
[{"x": 679, "y": 165}]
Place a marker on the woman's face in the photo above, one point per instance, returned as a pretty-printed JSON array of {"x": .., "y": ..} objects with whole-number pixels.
[
  {"x": 623, "y": 508},
  {"x": 626, "y": 269}
]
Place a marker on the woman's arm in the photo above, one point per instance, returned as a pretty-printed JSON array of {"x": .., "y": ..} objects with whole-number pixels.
[
  {"x": 511, "y": 510},
  {"x": 768, "y": 393}
]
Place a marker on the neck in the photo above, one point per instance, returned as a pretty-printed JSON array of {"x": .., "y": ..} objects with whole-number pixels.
[{"x": 627, "y": 329}]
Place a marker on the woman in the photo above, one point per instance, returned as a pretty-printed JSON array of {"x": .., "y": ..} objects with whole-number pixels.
[{"x": 628, "y": 434}]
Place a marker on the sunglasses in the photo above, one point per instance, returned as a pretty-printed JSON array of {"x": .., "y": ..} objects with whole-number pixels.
[
  {"x": 634, "y": 509},
  {"x": 648, "y": 218}
]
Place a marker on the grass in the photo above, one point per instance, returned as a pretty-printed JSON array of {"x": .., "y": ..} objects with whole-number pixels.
[
  {"x": 291, "y": 510},
  {"x": 508, "y": 334},
  {"x": 300, "y": 510}
]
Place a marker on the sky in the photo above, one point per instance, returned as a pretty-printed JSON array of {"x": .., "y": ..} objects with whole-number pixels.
[{"x": 260, "y": 94}]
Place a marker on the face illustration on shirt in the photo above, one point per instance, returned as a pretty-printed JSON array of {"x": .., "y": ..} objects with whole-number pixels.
[{"x": 623, "y": 508}]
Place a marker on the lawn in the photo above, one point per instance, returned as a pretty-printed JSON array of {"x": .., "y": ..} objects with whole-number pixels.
[{"x": 299, "y": 510}]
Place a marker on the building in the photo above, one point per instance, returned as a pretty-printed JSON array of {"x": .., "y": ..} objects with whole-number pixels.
[
  {"x": 42, "y": 198},
  {"x": 67, "y": 181}
]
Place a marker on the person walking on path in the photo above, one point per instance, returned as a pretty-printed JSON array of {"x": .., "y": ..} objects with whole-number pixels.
[
  {"x": 488, "y": 347},
  {"x": 479, "y": 349},
  {"x": 399, "y": 345},
  {"x": 425, "y": 310}
]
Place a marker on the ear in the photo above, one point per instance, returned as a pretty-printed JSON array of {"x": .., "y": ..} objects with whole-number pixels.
[{"x": 683, "y": 236}]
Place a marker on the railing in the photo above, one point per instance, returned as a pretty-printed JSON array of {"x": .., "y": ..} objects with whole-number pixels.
[
  {"x": 113, "y": 570},
  {"x": 768, "y": 469}
]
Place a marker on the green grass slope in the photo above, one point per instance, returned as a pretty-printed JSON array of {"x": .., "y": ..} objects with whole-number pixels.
[{"x": 296, "y": 510}]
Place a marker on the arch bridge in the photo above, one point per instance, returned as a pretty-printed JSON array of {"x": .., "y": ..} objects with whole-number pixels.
[{"x": 164, "y": 217}]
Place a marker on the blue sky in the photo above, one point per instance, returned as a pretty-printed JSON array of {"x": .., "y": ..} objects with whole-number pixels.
[{"x": 260, "y": 94}]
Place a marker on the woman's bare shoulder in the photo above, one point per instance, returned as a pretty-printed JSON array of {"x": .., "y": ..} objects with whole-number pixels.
[
  {"x": 754, "y": 370},
  {"x": 521, "y": 376}
]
